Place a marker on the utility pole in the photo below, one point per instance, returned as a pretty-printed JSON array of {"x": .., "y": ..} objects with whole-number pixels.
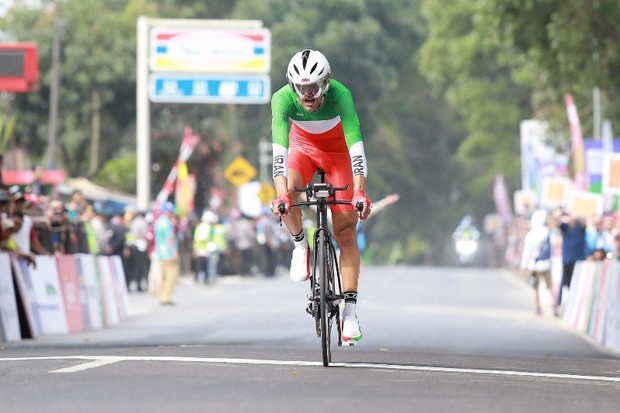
[
  {"x": 596, "y": 112},
  {"x": 54, "y": 85},
  {"x": 265, "y": 159}
]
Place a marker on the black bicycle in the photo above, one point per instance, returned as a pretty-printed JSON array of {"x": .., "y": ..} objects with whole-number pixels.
[{"x": 325, "y": 281}]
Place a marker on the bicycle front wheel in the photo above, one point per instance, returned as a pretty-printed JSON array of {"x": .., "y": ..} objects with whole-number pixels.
[{"x": 324, "y": 270}]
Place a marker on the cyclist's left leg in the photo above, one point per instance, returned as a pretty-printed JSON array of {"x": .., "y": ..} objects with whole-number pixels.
[{"x": 345, "y": 234}]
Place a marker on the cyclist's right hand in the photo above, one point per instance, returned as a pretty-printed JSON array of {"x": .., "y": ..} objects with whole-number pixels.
[{"x": 281, "y": 205}]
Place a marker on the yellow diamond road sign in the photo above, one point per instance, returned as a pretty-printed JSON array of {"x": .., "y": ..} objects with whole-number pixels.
[
  {"x": 239, "y": 171},
  {"x": 266, "y": 193}
]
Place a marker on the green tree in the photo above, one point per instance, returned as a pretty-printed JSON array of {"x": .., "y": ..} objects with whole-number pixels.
[{"x": 463, "y": 61}]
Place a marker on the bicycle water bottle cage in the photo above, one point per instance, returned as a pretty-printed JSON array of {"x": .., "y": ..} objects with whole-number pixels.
[{"x": 320, "y": 190}]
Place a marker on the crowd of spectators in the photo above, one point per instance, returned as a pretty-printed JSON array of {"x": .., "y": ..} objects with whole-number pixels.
[
  {"x": 572, "y": 238},
  {"x": 40, "y": 225}
]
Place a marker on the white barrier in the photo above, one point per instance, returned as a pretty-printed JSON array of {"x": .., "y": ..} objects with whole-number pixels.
[
  {"x": 593, "y": 303},
  {"x": 9, "y": 318},
  {"x": 62, "y": 294},
  {"x": 92, "y": 292}
]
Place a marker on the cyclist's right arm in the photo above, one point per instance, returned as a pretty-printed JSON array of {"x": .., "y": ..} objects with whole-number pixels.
[{"x": 280, "y": 105}]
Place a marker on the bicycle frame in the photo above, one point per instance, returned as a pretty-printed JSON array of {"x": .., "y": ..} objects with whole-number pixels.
[{"x": 325, "y": 293}]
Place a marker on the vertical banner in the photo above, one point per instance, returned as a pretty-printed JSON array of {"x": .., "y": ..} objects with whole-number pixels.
[
  {"x": 48, "y": 296},
  {"x": 538, "y": 158},
  {"x": 579, "y": 162},
  {"x": 502, "y": 203},
  {"x": 70, "y": 287},
  {"x": 120, "y": 286},
  {"x": 187, "y": 147},
  {"x": 9, "y": 318},
  {"x": 87, "y": 268},
  {"x": 184, "y": 191},
  {"x": 108, "y": 291}
]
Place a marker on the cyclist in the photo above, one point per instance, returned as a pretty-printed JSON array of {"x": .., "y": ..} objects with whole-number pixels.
[{"x": 315, "y": 125}]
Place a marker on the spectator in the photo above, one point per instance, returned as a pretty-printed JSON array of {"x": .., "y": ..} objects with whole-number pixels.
[
  {"x": 268, "y": 243},
  {"x": 9, "y": 227},
  {"x": 244, "y": 237},
  {"x": 87, "y": 238},
  {"x": 573, "y": 231},
  {"x": 599, "y": 240},
  {"x": 75, "y": 206},
  {"x": 59, "y": 226},
  {"x": 26, "y": 236},
  {"x": 115, "y": 236},
  {"x": 136, "y": 244},
  {"x": 536, "y": 257},
  {"x": 167, "y": 250}
]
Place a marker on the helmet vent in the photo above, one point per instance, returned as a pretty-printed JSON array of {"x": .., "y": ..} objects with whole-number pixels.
[
  {"x": 295, "y": 67},
  {"x": 304, "y": 57},
  {"x": 313, "y": 68}
]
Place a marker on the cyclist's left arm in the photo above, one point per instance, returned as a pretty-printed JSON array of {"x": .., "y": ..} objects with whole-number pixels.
[{"x": 355, "y": 144}]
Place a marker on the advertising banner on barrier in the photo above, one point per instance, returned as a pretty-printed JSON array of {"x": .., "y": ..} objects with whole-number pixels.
[
  {"x": 70, "y": 288},
  {"x": 87, "y": 268},
  {"x": 120, "y": 286},
  {"x": 48, "y": 295},
  {"x": 9, "y": 318},
  {"x": 599, "y": 302},
  {"x": 571, "y": 306},
  {"x": 106, "y": 282},
  {"x": 612, "y": 320},
  {"x": 26, "y": 293}
]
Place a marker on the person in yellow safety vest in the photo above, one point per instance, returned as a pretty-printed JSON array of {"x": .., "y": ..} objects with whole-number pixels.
[{"x": 209, "y": 244}]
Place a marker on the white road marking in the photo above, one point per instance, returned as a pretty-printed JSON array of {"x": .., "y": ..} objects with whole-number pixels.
[
  {"x": 98, "y": 361},
  {"x": 85, "y": 366}
]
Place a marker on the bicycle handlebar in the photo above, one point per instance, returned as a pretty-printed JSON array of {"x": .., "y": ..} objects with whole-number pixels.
[{"x": 322, "y": 191}]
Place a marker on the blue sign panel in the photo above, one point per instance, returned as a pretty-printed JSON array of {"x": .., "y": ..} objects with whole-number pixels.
[{"x": 238, "y": 89}]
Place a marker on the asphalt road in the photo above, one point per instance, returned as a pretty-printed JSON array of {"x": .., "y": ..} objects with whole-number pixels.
[{"x": 435, "y": 340}]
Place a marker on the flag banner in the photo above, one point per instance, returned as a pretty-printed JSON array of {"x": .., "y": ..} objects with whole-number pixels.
[
  {"x": 579, "y": 161},
  {"x": 539, "y": 159},
  {"x": 187, "y": 148},
  {"x": 502, "y": 203},
  {"x": 184, "y": 192}
]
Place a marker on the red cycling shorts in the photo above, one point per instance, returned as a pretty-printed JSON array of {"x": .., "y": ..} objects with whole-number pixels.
[{"x": 337, "y": 167}]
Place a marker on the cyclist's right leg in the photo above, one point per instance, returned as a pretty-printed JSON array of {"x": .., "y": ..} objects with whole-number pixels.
[{"x": 300, "y": 261}]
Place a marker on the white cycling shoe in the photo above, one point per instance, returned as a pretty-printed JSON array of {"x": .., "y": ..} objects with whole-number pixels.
[
  {"x": 351, "y": 331},
  {"x": 300, "y": 263}
]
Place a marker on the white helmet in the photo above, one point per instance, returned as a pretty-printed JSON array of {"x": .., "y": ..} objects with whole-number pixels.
[{"x": 308, "y": 74}]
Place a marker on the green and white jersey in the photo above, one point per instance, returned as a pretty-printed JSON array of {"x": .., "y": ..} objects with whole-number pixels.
[{"x": 333, "y": 128}]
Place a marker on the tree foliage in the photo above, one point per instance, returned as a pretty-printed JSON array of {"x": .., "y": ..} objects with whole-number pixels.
[{"x": 440, "y": 88}]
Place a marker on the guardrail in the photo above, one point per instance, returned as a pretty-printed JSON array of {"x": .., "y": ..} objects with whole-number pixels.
[{"x": 62, "y": 294}]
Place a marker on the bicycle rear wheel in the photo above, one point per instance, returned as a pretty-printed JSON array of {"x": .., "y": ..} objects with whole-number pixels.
[{"x": 323, "y": 267}]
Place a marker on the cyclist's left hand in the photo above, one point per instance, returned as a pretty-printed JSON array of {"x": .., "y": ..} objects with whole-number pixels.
[{"x": 359, "y": 197}]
